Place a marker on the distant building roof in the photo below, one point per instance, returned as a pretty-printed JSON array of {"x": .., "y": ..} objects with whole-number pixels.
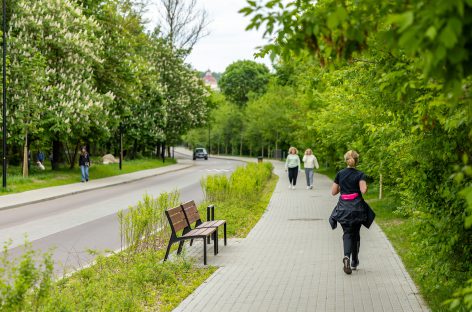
[{"x": 210, "y": 81}]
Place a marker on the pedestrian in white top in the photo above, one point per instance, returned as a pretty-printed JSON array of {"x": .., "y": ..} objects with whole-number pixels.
[
  {"x": 310, "y": 162},
  {"x": 292, "y": 164}
]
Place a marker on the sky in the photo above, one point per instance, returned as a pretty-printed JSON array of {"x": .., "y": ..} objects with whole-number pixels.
[{"x": 227, "y": 41}]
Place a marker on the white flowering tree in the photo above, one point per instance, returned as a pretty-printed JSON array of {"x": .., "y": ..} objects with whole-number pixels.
[
  {"x": 58, "y": 98},
  {"x": 128, "y": 72},
  {"x": 187, "y": 99}
]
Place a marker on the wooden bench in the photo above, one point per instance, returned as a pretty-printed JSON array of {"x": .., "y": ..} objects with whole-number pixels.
[
  {"x": 178, "y": 222},
  {"x": 193, "y": 216}
]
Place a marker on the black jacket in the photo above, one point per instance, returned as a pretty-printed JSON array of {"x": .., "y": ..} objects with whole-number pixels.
[
  {"x": 84, "y": 160},
  {"x": 349, "y": 212}
]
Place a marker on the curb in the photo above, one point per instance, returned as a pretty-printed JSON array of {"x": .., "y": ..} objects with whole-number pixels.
[{"x": 68, "y": 193}]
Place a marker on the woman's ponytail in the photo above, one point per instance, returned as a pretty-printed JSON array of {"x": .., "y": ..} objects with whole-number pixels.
[{"x": 351, "y": 158}]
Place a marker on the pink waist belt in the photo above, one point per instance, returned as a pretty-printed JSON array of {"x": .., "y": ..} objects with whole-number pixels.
[{"x": 349, "y": 196}]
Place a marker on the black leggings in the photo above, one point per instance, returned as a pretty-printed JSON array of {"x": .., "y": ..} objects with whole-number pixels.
[
  {"x": 352, "y": 241},
  {"x": 292, "y": 175}
]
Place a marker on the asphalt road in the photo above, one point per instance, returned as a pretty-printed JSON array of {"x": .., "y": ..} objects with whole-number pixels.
[{"x": 74, "y": 224}]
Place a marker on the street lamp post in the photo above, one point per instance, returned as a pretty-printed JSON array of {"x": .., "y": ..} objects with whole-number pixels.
[
  {"x": 121, "y": 146},
  {"x": 4, "y": 120},
  {"x": 209, "y": 139}
]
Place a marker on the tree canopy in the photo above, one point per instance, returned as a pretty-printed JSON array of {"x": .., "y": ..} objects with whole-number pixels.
[
  {"x": 80, "y": 72},
  {"x": 242, "y": 79}
]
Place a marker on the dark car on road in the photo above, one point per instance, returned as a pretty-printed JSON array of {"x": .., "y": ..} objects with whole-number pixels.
[{"x": 200, "y": 152}]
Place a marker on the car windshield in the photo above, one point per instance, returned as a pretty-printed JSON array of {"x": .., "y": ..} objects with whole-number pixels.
[{"x": 200, "y": 150}]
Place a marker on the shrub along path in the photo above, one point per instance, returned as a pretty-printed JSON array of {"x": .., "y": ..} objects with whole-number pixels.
[{"x": 292, "y": 261}]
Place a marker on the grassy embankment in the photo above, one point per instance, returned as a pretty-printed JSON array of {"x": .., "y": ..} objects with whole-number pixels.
[
  {"x": 47, "y": 178},
  {"x": 137, "y": 279}
]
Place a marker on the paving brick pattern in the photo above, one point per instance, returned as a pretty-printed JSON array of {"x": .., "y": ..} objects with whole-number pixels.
[{"x": 292, "y": 261}]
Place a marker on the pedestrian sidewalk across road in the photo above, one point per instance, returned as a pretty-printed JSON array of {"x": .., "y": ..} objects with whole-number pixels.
[
  {"x": 48, "y": 193},
  {"x": 292, "y": 261}
]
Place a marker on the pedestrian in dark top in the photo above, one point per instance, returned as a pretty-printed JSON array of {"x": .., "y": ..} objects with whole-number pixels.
[
  {"x": 351, "y": 211},
  {"x": 84, "y": 163}
]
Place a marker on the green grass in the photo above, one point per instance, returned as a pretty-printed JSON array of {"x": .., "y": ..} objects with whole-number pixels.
[
  {"x": 125, "y": 281},
  {"x": 47, "y": 178}
]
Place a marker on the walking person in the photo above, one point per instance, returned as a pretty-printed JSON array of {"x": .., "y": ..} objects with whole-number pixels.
[
  {"x": 84, "y": 163},
  {"x": 40, "y": 157},
  {"x": 292, "y": 164},
  {"x": 309, "y": 162},
  {"x": 351, "y": 211}
]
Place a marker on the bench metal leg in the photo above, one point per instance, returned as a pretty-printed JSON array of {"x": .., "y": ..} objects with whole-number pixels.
[
  {"x": 204, "y": 251},
  {"x": 181, "y": 244},
  {"x": 225, "y": 232},
  {"x": 215, "y": 243},
  {"x": 168, "y": 250},
  {"x": 191, "y": 242}
]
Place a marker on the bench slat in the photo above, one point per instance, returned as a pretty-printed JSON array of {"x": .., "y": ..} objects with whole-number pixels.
[
  {"x": 200, "y": 232},
  {"x": 215, "y": 223},
  {"x": 191, "y": 211},
  {"x": 177, "y": 217}
]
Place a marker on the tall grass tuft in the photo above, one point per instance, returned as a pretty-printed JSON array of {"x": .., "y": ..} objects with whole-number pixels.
[
  {"x": 25, "y": 282},
  {"x": 245, "y": 183},
  {"x": 144, "y": 226},
  {"x": 240, "y": 199}
]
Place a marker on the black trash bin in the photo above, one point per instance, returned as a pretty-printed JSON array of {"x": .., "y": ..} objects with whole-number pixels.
[{"x": 259, "y": 159}]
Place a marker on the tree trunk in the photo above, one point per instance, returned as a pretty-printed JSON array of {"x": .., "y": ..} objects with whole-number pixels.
[
  {"x": 380, "y": 186},
  {"x": 56, "y": 154},
  {"x": 168, "y": 152},
  {"x": 163, "y": 151},
  {"x": 73, "y": 158},
  {"x": 25, "y": 156},
  {"x": 241, "y": 146}
]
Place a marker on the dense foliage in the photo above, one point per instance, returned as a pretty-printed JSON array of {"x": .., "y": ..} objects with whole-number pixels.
[
  {"x": 391, "y": 80},
  {"x": 242, "y": 79},
  {"x": 81, "y": 72},
  {"x": 397, "y": 89}
]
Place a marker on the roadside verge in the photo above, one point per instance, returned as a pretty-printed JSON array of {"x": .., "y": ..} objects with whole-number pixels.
[{"x": 44, "y": 194}]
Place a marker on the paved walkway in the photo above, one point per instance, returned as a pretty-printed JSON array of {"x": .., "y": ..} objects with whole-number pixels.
[{"x": 292, "y": 261}]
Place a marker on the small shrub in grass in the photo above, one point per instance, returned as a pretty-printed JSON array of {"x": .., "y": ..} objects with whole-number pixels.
[
  {"x": 25, "y": 283},
  {"x": 462, "y": 299}
]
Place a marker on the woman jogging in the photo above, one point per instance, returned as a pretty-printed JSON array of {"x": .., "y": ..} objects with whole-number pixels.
[
  {"x": 292, "y": 164},
  {"x": 309, "y": 162},
  {"x": 351, "y": 211}
]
